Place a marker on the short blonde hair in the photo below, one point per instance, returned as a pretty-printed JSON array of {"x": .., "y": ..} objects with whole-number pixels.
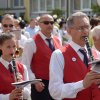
[{"x": 95, "y": 32}]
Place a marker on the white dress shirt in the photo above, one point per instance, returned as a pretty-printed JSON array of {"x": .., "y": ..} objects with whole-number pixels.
[
  {"x": 26, "y": 90},
  {"x": 29, "y": 51},
  {"x": 58, "y": 89}
]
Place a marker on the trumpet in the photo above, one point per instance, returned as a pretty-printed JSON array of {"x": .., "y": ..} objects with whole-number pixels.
[{"x": 18, "y": 52}]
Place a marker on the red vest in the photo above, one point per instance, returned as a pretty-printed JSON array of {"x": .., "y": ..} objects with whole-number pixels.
[
  {"x": 41, "y": 59},
  {"x": 6, "y": 78},
  {"x": 75, "y": 70}
]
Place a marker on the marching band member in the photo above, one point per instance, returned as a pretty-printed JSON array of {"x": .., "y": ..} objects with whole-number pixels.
[
  {"x": 70, "y": 78},
  {"x": 7, "y": 91}
]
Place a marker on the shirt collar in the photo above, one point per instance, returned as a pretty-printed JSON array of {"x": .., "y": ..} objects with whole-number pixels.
[
  {"x": 75, "y": 46},
  {"x": 43, "y": 36},
  {"x": 4, "y": 62}
]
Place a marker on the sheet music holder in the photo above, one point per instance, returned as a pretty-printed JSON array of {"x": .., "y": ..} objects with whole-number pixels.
[
  {"x": 25, "y": 83},
  {"x": 95, "y": 65}
]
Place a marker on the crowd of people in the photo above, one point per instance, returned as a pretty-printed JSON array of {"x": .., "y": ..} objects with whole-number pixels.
[{"x": 53, "y": 50}]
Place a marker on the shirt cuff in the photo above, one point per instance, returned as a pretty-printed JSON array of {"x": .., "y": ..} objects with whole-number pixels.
[
  {"x": 4, "y": 97},
  {"x": 70, "y": 90},
  {"x": 26, "y": 93},
  {"x": 78, "y": 86}
]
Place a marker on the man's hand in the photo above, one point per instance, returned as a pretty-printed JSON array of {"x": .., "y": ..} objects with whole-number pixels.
[
  {"x": 39, "y": 86},
  {"x": 90, "y": 78},
  {"x": 15, "y": 94}
]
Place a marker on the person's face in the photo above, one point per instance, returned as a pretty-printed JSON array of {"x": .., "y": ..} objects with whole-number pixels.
[
  {"x": 46, "y": 25},
  {"x": 79, "y": 30},
  {"x": 7, "y": 25},
  {"x": 32, "y": 23},
  {"x": 8, "y": 48},
  {"x": 97, "y": 40}
]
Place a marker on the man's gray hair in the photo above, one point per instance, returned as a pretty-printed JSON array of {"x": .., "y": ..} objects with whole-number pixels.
[{"x": 77, "y": 15}]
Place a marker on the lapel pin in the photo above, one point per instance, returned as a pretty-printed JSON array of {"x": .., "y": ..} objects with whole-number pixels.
[{"x": 73, "y": 59}]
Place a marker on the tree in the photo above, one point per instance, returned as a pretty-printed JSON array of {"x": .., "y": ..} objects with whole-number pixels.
[
  {"x": 57, "y": 12},
  {"x": 96, "y": 9},
  {"x": 1, "y": 14}
]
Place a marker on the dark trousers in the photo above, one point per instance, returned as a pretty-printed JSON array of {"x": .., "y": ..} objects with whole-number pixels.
[{"x": 44, "y": 95}]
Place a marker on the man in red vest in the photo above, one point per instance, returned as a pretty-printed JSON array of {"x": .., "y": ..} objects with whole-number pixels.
[
  {"x": 70, "y": 78},
  {"x": 36, "y": 57}
]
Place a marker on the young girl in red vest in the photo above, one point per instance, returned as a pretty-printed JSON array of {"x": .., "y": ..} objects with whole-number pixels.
[{"x": 7, "y": 90}]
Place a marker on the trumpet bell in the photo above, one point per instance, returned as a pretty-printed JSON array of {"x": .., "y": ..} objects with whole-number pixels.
[{"x": 18, "y": 52}]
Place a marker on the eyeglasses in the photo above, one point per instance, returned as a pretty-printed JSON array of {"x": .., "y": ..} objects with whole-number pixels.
[
  {"x": 48, "y": 22},
  {"x": 5, "y": 25},
  {"x": 81, "y": 28}
]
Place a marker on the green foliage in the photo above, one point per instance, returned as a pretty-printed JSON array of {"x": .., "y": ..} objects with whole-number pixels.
[
  {"x": 96, "y": 9},
  {"x": 1, "y": 12},
  {"x": 57, "y": 12}
]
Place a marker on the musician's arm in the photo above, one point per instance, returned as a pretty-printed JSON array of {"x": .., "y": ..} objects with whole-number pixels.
[
  {"x": 4, "y": 96},
  {"x": 26, "y": 91}
]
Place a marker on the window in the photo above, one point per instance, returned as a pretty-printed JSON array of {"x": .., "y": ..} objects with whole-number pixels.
[
  {"x": 93, "y": 2},
  {"x": 63, "y": 3},
  {"x": 22, "y": 2},
  {"x": 86, "y": 4},
  {"x": 35, "y": 5},
  {"x": 72, "y": 6},
  {"x": 56, "y": 4},
  {"x": 3, "y": 3},
  {"x": 77, "y": 4},
  {"x": 49, "y": 5},
  {"x": 18, "y": 3},
  {"x": 42, "y": 5}
]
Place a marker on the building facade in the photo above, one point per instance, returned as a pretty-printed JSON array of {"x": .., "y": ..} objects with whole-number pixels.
[
  {"x": 33, "y": 8},
  {"x": 15, "y": 7},
  {"x": 39, "y": 7}
]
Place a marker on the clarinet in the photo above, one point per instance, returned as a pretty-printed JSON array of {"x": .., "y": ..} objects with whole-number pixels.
[
  {"x": 89, "y": 49},
  {"x": 90, "y": 54},
  {"x": 14, "y": 68},
  {"x": 15, "y": 73},
  {"x": 92, "y": 60}
]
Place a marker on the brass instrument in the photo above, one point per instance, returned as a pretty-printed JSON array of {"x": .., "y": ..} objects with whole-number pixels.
[{"x": 18, "y": 52}]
